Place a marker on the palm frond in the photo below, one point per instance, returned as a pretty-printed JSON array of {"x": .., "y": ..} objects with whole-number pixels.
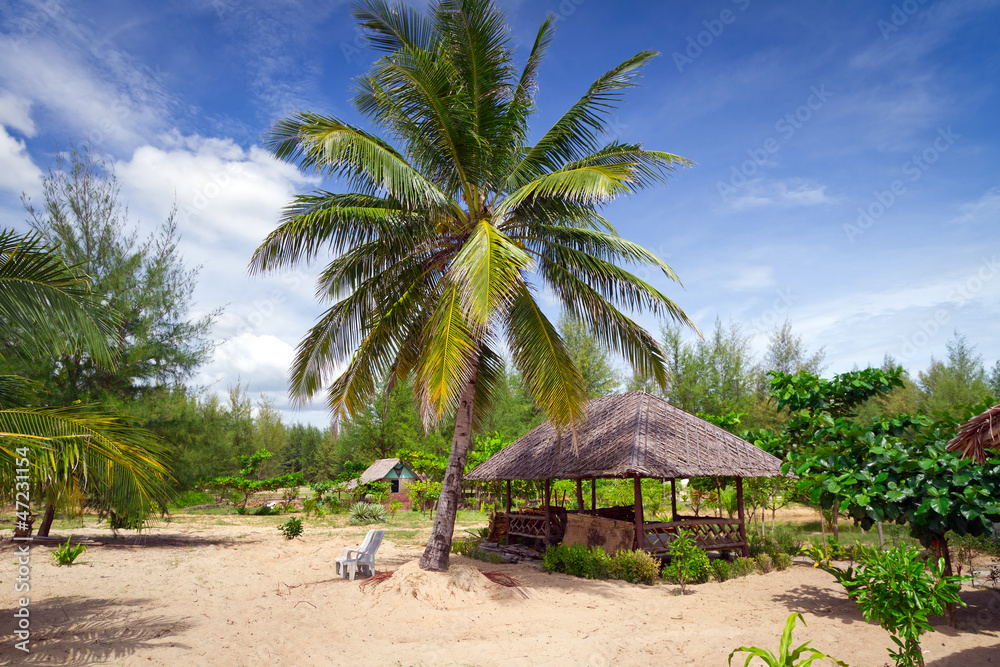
[
  {"x": 45, "y": 304},
  {"x": 369, "y": 164},
  {"x": 486, "y": 272},
  {"x": 390, "y": 29},
  {"x": 539, "y": 353},
  {"x": 447, "y": 353},
  {"x": 576, "y": 133}
]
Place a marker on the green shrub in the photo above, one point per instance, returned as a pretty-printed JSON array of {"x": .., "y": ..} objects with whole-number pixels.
[
  {"x": 688, "y": 563},
  {"x": 366, "y": 513},
  {"x": 470, "y": 549},
  {"x": 782, "y": 561},
  {"x": 578, "y": 560},
  {"x": 264, "y": 510},
  {"x": 65, "y": 554},
  {"x": 395, "y": 506},
  {"x": 744, "y": 566},
  {"x": 787, "y": 539},
  {"x": 895, "y": 589},
  {"x": 722, "y": 569},
  {"x": 764, "y": 563},
  {"x": 291, "y": 528},
  {"x": 635, "y": 567},
  {"x": 309, "y": 506},
  {"x": 190, "y": 499}
]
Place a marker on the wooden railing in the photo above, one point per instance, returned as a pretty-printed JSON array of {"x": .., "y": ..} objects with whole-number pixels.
[
  {"x": 709, "y": 534},
  {"x": 533, "y": 525}
]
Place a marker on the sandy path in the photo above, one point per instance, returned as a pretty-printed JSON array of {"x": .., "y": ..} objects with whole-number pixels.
[{"x": 237, "y": 595}]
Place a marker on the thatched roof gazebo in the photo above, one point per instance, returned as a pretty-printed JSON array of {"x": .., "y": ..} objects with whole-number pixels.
[
  {"x": 980, "y": 433},
  {"x": 635, "y": 435}
]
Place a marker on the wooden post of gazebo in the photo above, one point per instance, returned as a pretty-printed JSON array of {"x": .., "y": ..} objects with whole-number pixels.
[
  {"x": 743, "y": 525},
  {"x": 548, "y": 512},
  {"x": 673, "y": 499},
  {"x": 508, "y": 496},
  {"x": 579, "y": 496},
  {"x": 637, "y": 484},
  {"x": 593, "y": 496}
]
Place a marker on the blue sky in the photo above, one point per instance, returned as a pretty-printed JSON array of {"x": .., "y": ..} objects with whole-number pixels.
[{"x": 846, "y": 177}]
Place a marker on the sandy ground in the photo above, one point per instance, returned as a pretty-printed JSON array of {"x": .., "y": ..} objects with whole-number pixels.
[{"x": 202, "y": 594}]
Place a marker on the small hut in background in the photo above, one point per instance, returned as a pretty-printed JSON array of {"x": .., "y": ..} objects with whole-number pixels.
[
  {"x": 395, "y": 472},
  {"x": 627, "y": 436},
  {"x": 980, "y": 433}
]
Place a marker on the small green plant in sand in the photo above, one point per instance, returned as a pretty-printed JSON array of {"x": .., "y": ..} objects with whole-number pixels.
[
  {"x": 688, "y": 563},
  {"x": 787, "y": 656},
  {"x": 291, "y": 528},
  {"x": 65, "y": 554}
]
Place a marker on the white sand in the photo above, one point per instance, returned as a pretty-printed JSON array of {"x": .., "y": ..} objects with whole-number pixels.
[{"x": 236, "y": 595}]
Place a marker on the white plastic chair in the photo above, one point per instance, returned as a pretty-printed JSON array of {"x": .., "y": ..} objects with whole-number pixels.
[{"x": 347, "y": 565}]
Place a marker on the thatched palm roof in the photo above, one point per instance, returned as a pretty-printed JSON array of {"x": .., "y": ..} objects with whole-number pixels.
[
  {"x": 980, "y": 433},
  {"x": 373, "y": 473},
  {"x": 628, "y": 435}
]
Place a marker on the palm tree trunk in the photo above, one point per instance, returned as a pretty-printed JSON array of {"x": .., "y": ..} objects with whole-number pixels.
[
  {"x": 438, "y": 549},
  {"x": 50, "y": 514}
]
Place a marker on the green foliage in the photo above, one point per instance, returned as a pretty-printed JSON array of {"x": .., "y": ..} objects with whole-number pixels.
[
  {"x": 577, "y": 560},
  {"x": 634, "y": 566},
  {"x": 394, "y": 507},
  {"x": 764, "y": 563},
  {"x": 266, "y": 510},
  {"x": 593, "y": 361},
  {"x": 309, "y": 506},
  {"x": 895, "y": 589},
  {"x": 743, "y": 566},
  {"x": 948, "y": 386},
  {"x": 143, "y": 280},
  {"x": 787, "y": 539},
  {"x": 782, "y": 561},
  {"x": 786, "y": 656},
  {"x": 291, "y": 528},
  {"x": 247, "y": 483},
  {"x": 421, "y": 493},
  {"x": 722, "y": 570},
  {"x": 688, "y": 563},
  {"x": 190, "y": 499},
  {"x": 65, "y": 554},
  {"x": 470, "y": 549},
  {"x": 581, "y": 561},
  {"x": 362, "y": 514},
  {"x": 375, "y": 492}
]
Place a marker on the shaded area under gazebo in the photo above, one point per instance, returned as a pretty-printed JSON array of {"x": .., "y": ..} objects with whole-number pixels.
[{"x": 637, "y": 436}]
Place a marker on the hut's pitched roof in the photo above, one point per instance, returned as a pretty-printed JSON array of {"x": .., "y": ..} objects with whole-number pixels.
[
  {"x": 627, "y": 435},
  {"x": 980, "y": 433},
  {"x": 373, "y": 473}
]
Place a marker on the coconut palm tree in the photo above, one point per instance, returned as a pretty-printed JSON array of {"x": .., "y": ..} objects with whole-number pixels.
[
  {"x": 72, "y": 453},
  {"x": 444, "y": 243}
]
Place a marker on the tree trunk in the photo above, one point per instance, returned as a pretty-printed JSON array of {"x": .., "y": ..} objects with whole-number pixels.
[
  {"x": 438, "y": 549},
  {"x": 950, "y": 609},
  {"x": 50, "y": 514}
]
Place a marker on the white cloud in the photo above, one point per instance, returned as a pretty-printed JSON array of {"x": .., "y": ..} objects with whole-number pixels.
[
  {"x": 747, "y": 278},
  {"x": 98, "y": 94},
  {"x": 788, "y": 193},
  {"x": 224, "y": 194},
  {"x": 15, "y": 113},
  {"x": 18, "y": 173},
  {"x": 985, "y": 209}
]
